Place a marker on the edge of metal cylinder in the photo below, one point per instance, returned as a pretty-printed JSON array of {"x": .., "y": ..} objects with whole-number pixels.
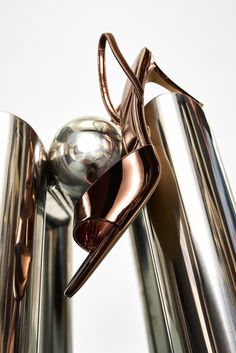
[
  {"x": 28, "y": 252},
  {"x": 184, "y": 238}
]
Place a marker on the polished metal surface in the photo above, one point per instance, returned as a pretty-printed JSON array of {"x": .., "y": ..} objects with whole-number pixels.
[
  {"x": 105, "y": 173},
  {"x": 23, "y": 192},
  {"x": 165, "y": 331},
  {"x": 55, "y": 318},
  {"x": 81, "y": 152},
  {"x": 187, "y": 259}
]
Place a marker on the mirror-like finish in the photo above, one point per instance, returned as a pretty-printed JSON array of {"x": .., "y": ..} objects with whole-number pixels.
[
  {"x": 81, "y": 152},
  {"x": 165, "y": 331},
  {"x": 187, "y": 261},
  {"x": 23, "y": 192},
  {"x": 109, "y": 206},
  {"x": 55, "y": 319}
]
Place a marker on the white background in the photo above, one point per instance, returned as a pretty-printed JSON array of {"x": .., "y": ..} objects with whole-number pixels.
[{"x": 48, "y": 76}]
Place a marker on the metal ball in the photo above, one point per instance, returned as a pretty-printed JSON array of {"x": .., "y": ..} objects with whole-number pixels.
[{"x": 81, "y": 152}]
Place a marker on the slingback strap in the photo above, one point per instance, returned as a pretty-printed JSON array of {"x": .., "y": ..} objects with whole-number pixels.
[
  {"x": 155, "y": 74},
  {"x": 108, "y": 37}
]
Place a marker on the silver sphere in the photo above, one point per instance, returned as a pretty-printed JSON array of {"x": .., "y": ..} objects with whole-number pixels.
[{"x": 81, "y": 152}]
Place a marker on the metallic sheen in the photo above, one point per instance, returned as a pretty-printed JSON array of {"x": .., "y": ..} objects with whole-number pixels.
[
  {"x": 81, "y": 152},
  {"x": 55, "y": 317},
  {"x": 23, "y": 193},
  {"x": 187, "y": 261},
  {"x": 109, "y": 206}
]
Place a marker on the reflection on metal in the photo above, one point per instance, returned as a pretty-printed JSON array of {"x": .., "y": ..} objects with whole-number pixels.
[
  {"x": 81, "y": 152},
  {"x": 55, "y": 321},
  {"x": 34, "y": 262},
  {"x": 185, "y": 237},
  {"x": 109, "y": 206},
  {"x": 23, "y": 191},
  {"x": 185, "y": 241}
]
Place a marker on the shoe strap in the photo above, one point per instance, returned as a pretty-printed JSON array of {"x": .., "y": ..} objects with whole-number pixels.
[{"x": 108, "y": 37}]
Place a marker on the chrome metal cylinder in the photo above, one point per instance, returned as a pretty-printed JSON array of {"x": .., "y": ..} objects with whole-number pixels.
[
  {"x": 185, "y": 238},
  {"x": 55, "y": 317},
  {"x": 23, "y": 193}
]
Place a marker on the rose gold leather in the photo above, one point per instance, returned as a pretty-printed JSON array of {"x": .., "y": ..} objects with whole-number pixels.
[
  {"x": 110, "y": 205},
  {"x": 113, "y": 201},
  {"x": 108, "y": 37},
  {"x": 115, "y": 197},
  {"x": 134, "y": 130}
]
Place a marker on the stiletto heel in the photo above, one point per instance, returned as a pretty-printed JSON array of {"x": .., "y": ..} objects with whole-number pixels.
[{"x": 108, "y": 207}]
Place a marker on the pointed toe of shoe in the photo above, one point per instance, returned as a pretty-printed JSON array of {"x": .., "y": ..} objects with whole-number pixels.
[
  {"x": 108, "y": 207},
  {"x": 115, "y": 198},
  {"x": 91, "y": 232}
]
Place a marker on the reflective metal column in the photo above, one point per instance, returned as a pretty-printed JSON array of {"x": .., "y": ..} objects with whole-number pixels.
[
  {"x": 55, "y": 318},
  {"x": 23, "y": 192},
  {"x": 185, "y": 238}
]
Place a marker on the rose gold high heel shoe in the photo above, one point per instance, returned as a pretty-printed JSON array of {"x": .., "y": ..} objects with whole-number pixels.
[{"x": 109, "y": 206}]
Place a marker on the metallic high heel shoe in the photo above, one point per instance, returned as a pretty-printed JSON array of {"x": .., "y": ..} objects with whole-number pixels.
[{"x": 108, "y": 207}]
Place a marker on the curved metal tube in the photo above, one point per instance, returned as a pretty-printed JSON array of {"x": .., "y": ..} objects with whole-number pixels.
[
  {"x": 185, "y": 238},
  {"x": 34, "y": 259},
  {"x": 23, "y": 192}
]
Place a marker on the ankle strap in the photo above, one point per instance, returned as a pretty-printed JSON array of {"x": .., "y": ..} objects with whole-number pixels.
[{"x": 108, "y": 37}]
